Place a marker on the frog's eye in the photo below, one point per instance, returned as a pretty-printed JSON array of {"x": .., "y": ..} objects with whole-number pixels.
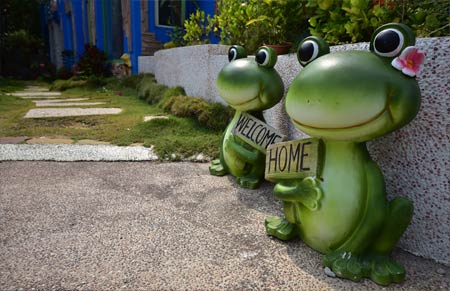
[
  {"x": 388, "y": 42},
  {"x": 266, "y": 57},
  {"x": 236, "y": 52},
  {"x": 310, "y": 49}
]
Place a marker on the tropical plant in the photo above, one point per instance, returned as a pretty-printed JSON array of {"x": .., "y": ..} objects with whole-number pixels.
[
  {"x": 93, "y": 62},
  {"x": 198, "y": 28},
  {"x": 343, "y": 21}
]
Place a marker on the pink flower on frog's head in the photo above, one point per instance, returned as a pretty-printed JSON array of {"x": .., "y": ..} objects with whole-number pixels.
[{"x": 409, "y": 61}]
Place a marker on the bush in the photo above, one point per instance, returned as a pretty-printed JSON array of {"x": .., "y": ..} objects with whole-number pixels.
[
  {"x": 217, "y": 116},
  {"x": 151, "y": 92},
  {"x": 213, "y": 115},
  {"x": 131, "y": 82},
  {"x": 62, "y": 85},
  {"x": 93, "y": 62},
  {"x": 175, "y": 91},
  {"x": 63, "y": 73},
  {"x": 355, "y": 20}
]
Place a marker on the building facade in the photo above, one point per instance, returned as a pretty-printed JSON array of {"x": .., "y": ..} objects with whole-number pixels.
[{"x": 135, "y": 27}]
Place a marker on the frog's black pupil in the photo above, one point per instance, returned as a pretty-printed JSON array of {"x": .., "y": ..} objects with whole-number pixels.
[
  {"x": 261, "y": 57},
  {"x": 306, "y": 52},
  {"x": 231, "y": 54},
  {"x": 387, "y": 41}
]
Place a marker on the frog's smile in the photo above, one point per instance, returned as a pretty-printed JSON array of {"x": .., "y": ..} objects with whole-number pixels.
[
  {"x": 245, "y": 102},
  {"x": 370, "y": 120}
]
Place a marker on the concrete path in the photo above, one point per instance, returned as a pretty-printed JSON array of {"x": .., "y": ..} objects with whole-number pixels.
[
  {"x": 43, "y": 98},
  {"x": 156, "y": 226}
]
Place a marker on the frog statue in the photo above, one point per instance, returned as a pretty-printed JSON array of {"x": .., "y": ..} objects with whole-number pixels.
[
  {"x": 248, "y": 85},
  {"x": 345, "y": 99}
]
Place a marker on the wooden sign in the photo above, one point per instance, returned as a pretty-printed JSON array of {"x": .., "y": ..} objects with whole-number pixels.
[
  {"x": 293, "y": 159},
  {"x": 256, "y": 133}
]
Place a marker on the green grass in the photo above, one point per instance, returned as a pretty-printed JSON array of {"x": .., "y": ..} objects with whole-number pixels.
[{"x": 179, "y": 136}]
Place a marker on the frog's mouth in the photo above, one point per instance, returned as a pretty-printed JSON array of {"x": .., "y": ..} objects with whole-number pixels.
[
  {"x": 380, "y": 115},
  {"x": 245, "y": 102}
]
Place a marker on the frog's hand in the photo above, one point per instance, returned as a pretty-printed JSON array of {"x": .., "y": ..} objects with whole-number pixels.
[
  {"x": 245, "y": 154},
  {"x": 306, "y": 191}
]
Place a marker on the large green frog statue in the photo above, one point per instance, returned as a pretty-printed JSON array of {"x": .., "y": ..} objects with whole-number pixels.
[
  {"x": 345, "y": 99},
  {"x": 248, "y": 85}
]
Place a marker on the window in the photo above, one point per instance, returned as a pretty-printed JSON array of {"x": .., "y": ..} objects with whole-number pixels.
[{"x": 169, "y": 12}]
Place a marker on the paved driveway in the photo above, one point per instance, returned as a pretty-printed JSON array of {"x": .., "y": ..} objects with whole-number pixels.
[{"x": 150, "y": 225}]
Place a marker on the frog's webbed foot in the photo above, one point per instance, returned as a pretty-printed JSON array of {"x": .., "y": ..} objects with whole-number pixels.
[
  {"x": 249, "y": 182},
  {"x": 379, "y": 268},
  {"x": 280, "y": 228},
  {"x": 217, "y": 169}
]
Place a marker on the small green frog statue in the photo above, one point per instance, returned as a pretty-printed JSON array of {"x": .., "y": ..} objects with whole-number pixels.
[
  {"x": 248, "y": 85},
  {"x": 345, "y": 99}
]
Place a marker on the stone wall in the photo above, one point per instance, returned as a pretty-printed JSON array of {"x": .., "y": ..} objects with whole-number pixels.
[{"x": 414, "y": 159}]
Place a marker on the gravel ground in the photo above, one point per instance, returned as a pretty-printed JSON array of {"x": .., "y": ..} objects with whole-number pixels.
[{"x": 156, "y": 226}]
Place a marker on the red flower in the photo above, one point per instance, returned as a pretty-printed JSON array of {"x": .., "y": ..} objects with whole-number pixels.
[{"x": 409, "y": 61}]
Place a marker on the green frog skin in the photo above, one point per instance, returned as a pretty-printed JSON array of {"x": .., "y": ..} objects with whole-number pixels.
[
  {"x": 345, "y": 99},
  {"x": 248, "y": 85}
]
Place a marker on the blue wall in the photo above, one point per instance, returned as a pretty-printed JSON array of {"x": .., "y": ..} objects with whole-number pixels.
[
  {"x": 76, "y": 32},
  {"x": 162, "y": 33}
]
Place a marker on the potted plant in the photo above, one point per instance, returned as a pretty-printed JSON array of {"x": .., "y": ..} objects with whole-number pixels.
[{"x": 278, "y": 22}]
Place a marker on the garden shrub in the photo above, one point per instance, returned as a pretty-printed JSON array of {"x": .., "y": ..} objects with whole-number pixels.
[
  {"x": 151, "y": 92},
  {"x": 355, "y": 20},
  {"x": 213, "y": 115},
  {"x": 62, "y": 85},
  {"x": 174, "y": 91},
  {"x": 63, "y": 73},
  {"x": 93, "y": 62},
  {"x": 217, "y": 116}
]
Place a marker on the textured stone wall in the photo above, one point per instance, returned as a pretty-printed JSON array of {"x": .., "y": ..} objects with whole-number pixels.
[{"x": 415, "y": 159}]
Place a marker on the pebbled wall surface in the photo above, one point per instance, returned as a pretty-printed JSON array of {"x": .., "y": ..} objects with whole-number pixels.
[{"x": 415, "y": 159}]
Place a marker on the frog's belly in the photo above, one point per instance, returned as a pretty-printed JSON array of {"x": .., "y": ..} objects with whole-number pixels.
[
  {"x": 235, "y": 165},
  {"x": 341, "y": 210}
]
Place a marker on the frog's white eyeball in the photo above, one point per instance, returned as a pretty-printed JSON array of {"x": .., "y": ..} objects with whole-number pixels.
[
  {"x": 262, "y": 57},
  {"x": 388, "y": 42},
  {"x": 232, "y": 54},
  {"x": 307, "y": 52}
]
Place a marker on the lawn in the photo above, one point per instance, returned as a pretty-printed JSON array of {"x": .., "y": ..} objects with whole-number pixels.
[{"x": 182, "y": 136}]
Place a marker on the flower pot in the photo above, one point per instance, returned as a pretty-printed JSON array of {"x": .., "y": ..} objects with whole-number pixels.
[{"x": 280, "y": 49}]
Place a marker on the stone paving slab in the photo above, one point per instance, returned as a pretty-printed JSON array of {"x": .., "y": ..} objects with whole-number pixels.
[
  {"x": 13, "y": 140},
  {"x": 49, "y": 140},
  {"x": 74, "y": 152},
  {"x": 151, "y": 117},
  {"x": 35, "y": 93},
  {"x": 63, "y": 112},
  {"x": 60, "y": 104},
  {"x": 35, "y": 89},
  {"x": 156, "y": 226},
  {"x": 60, "y": 100},
  {"x": 91, "y": 142},
  {"x": 40, "y": 97}
]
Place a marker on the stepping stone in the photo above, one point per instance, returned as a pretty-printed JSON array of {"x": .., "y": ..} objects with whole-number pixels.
[
  {"x": 13, "y": 140},
  {"x": 63, "y": 112},
  {"x": 61, "y": 100},
  {"x": 59, "y": 104},
  {"x": 151, "y": 117},
  {"x": 35, "y": 89},
  {"x": 35, "y": 93},
  {"x": 49, "y": 140},
  {"x": 39, "y": 97},
  {"x": 91, "y": 142}
]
